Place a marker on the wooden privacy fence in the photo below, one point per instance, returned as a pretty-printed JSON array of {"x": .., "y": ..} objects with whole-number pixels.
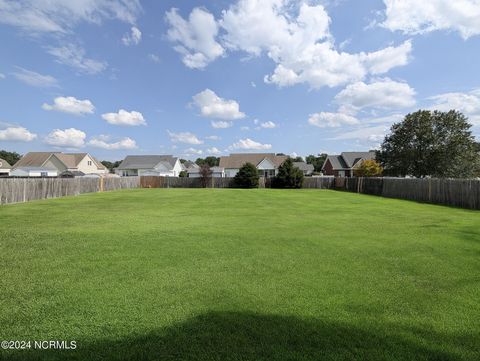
[
  {"x": 463, "y": 193},
  {"x": 16, "y": 190},
  {"x": 183, "y": 182}
]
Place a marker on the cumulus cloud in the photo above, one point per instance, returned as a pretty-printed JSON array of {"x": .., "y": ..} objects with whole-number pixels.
[
  {"x": 420, "y": 17},
  {"x": 74, "y": 56},
  {"x": 19, "y": 134},
  {"x": 213, "y": 137},
  {"x": 70, "y": 105},
  {"x": 212, "y": 106},
  {"x": 214, "y": 150},
  {"x": 184, "y": 137},
  {"x": 132, "y": 38},
  {"x": 155, "y": 58},
  {"x": 195, "y": 37},
  {"x": 59, "y": 16},
  {"x": 220, "y": 124},
  {"x": 103, "y": 141},
  {"x": 268, "y": 125},
  {"x": 379, "y": 94},
  {"x": 468, "y": 103},
  {"x": 249, "y": 144},
  {"x": 372, "y": 134},
  {"x": 299, "y": 42},
  {"x": 331, "y": 120},
  {"x": 35, "y": 79},
  {"x": 71, "y": 137},
  {"x": 123, "y": 117},
  {"x": 193, "y": 151}
]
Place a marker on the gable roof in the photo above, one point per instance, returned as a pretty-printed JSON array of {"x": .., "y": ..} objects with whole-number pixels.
[
  {"x": 146, "y": 161},
  {"x": 352, "y": 158},
  {"x": 4, "y": 164},
  {"x": 237, "y": 160},
  {"x": 348, "y": 160},
  {"x": 305, "y": 167},
  {"x": 70, "y": 160}
]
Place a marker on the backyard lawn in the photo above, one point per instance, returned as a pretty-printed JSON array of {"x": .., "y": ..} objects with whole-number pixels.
[{"x": 224, "y": 274}]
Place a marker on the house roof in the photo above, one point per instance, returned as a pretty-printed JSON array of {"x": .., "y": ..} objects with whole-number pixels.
[
  {"x": 304, "y": 166},
  {"x": 4, "y": 164},
  {"x": 213, "y": 169},
  {"x": 146, "y": 161},
  {"x": 237, "y": 160},
  {"x": 35, "y": 168},
  {"x": 190, "y": 165},
  {"x": 348, "y": 160},
  {"x": 38, "y": 159}
]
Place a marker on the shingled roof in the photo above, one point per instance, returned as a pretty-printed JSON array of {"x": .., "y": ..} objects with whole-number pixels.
[
  {"x": 4, "y": 164},
  {"x": 38, "y": 159},
  {"x": 146, "y": 161},
  {"x": 237, "y": 160},
  {"x": 348, "y": 160}
]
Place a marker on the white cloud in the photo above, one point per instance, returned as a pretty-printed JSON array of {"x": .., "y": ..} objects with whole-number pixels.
[
  {"x": 2, "y": 76},
  {"x": 420, "y": 17},
  {"x": 301, "y": 46},
  {"x": 74, "y": 56},
  {"x": 379, "y": 94},
  {"x": 214, "y": 150},
  {"x": 193, "y": 151},
  {"x": 60, "y": 16},
  {"x": 124, "y": 117},
  {"x": 35, "y": 79},
  {"x": 102, "y": 141},
  {"x": 212, "y": 106},
  {"x": 132, "y": 38},
  {"x": 371, "y": 134},
  {"x": 249, "y": 144},
  {"x": 331, "y": 120},
  {"x": 268, "y": 125},
  {"x": 213, "y": 137},
  {"x": 195, "y": 37},
  {"x": 20, "y": 134},
  {"x": 244, "y": 128},
  {"x": 155, "y": 58},
  {"x": 71, "y": 137},
  {"x": 70, "y": 105},
  {"x": 184, "y": 137},
  {"x": 221, "y": 124},
  {"x": 467, "y": 103}
]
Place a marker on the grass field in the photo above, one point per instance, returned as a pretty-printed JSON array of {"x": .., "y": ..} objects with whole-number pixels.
[{"x": 178, "y": 274}]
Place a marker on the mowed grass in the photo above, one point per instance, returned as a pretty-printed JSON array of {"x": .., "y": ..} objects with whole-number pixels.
[{"x": 223, "y": 274}]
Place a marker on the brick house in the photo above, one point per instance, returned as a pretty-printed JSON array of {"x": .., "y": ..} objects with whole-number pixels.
[{"x": 343, "y": 165}]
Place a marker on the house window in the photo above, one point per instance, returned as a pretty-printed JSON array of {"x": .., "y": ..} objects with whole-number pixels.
[
  {"x": 43, "y": 174},
  {"x": 89, "y": 162}
]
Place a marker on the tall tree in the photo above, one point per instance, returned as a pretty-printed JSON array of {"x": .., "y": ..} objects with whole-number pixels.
[
  {"x": 111, "y": 165},
  {"x": 247, "y": 176},
  {"x": 205, "y": 175},
  {"x": 316, "y": 161},
  {"x": 288, "y": 176},
  {"x": 210, "y": 161},
  {"x": 430, "y": 143},
  {"x": 10, "y": 157}
]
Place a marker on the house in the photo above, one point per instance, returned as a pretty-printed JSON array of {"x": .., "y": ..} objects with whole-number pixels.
[
  {"x": 34, "y": 162},
  {"x": 156, "y": 165},
  {"x": 343, "y": 165},
  {"x": 307, "y": 169},
  {"x": 5, "y": 168},
  {"x": 33, "y": 172},
  {"x": 217, "y": 172},
  {"x": 189, "y": 165},
  {"x": 266, "y": 163}
]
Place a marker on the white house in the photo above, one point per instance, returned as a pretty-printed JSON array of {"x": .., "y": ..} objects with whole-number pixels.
[
  {"x": 33, "y": 172},
  {"x": 266, "y": 163},
  {"x": 217, "y": 172},
  {"x": 5, "y": 168},
  {"x": 76, "y": 163},
  {"x": 156, "y": 165}
]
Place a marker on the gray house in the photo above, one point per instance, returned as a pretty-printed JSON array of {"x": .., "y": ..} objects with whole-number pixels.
[
  {"x": 343, "y": 165},
  {"x": 157, "y": 165},
  {"x": 307, "y": 169}
]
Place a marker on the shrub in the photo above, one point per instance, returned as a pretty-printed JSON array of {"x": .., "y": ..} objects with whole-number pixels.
[
  {"x": 205, "y": 175},
  {"x": 183, "y": 174},
  {"x": 247, "y": 176},
  {"x": 288, "y": 176},
  {"x": 369, "y": 168}
]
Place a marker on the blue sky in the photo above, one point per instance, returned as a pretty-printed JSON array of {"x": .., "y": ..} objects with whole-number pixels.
[{"x": 198, "y": 78}]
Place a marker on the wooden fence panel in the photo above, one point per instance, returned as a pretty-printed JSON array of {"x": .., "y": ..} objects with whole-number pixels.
[{"x": 318, "y": 182}]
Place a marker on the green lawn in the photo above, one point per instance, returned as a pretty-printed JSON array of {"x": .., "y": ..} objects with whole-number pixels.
[{"x": 177, "y": 274}]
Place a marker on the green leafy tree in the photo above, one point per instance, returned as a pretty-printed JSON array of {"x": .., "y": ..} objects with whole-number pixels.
[
  {"x": 316, "y": 161},
  {"x": 430, "y": 143},
  {"x": 183, "y": 174},
  {"x": 288, "y": 176},
  {"x": 298, "y": 159},
  {"x": 210, "y": 161},
  {"x": 10, "y": 157},
  {"x": 111, "y": 165},
  {"x": 369, "y": 168},
  {"x": 247, "y": 176}
]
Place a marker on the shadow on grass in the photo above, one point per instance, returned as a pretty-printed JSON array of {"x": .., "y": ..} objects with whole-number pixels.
[{"x": 252, "y": 337}]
